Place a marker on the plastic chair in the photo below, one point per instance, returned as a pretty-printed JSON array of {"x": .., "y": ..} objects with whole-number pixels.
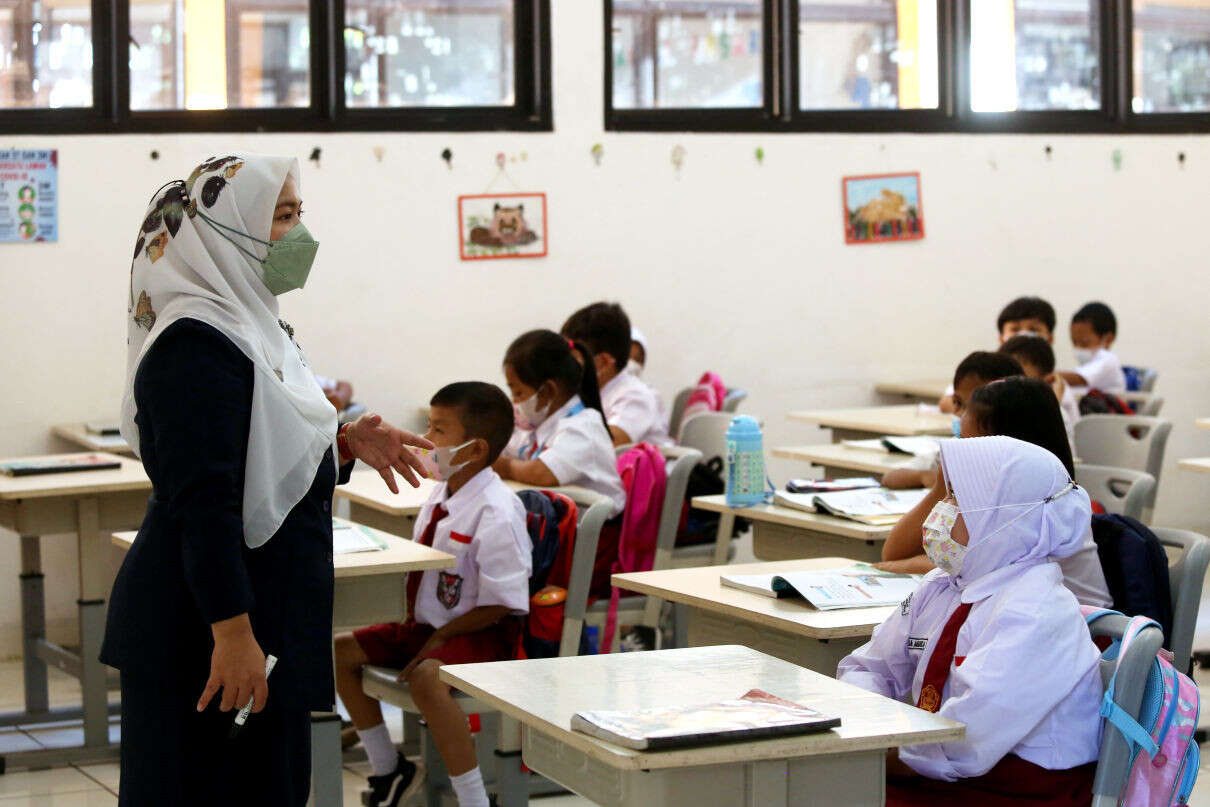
[
  {"x": 1185, "y": 576},
  {"x": 1132, "y": 668},
  {"x": 1152, "y": 408},
  {"x": 498, "y": 745},
  {"x": 730, "y": 404},
  {"x": 734, "y": 398},
  {"x": 1136, "y": 442},
  {"x": 707, "y": 433},
  {"x": 1118, "y": 490},
  {"x": 1147, "y": 379}
]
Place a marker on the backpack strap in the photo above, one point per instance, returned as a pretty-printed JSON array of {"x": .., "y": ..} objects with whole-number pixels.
[
  {"x": 1134, "y": 733},
  {"x": 1092, "y": 613}
]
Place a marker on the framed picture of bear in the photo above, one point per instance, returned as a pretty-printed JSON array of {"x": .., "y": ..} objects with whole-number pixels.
[
  {"x": 882, "y": 207},
  {"x": 502, "y": 225}
]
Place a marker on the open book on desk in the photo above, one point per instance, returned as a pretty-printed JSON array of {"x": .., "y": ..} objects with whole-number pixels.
[
  {"x": 876, "y": 506},
  {"x": 348, "y": 538},
  {"x": 892, "y": 444},
  {"x": 830, "y": 589}
]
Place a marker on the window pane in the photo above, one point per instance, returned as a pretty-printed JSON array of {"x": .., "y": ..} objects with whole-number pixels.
[
  {"x": 219, "y": 54},
  {"x": 45, "y": 53},
  {"x": 1172, "y": 56},
  {"x": 1035, "y": 55},
  {"x": 429, "y": 53},
  {"x": 670, "y": 54},
  {"x": 867, "y": 54}
]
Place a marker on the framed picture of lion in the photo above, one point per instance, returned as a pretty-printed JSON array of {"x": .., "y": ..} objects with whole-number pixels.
[
  {"x": 502, "y": 225},
  {"x": 882, "y": 207}
]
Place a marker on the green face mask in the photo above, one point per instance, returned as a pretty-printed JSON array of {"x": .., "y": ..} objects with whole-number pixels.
[{"x": 288, "y": 262}]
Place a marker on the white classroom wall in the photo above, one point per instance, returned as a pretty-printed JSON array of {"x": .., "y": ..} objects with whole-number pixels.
[{"x": 732, "y": 266}]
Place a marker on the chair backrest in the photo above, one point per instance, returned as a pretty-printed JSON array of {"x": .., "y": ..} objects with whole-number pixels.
[
  {"x": 707, "y": 433},
  {"x": 678, "y": 410},
  {"x": 1118, "y": 490},
  {"x": 1132, "y": 668},
  {"x": 680, "y": 463},
  {"x": 1186, "y": 576},
  {"x": 588, "y": 532},
  {"x": 734, "y": 398},
  {"x": 1152, "y": 407},
  {"x": 1148, "y": 378},
  {"x": 1123, "y": 441}
]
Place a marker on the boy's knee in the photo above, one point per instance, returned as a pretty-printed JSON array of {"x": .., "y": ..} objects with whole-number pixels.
[
  {"x": 346, "y": 650},
  {"x": 424, "y": 678}
]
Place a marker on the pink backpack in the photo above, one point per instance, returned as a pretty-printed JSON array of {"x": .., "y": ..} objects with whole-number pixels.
[
  {"x": 1164, "y": 754},
  {"x": 644, "y": 478},
  {"x": 707, "y": 396}
]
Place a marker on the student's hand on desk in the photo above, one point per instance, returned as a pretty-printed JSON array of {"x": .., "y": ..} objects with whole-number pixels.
[
  {"x": 382, "y": 447},
  {"x": 237, "y": 666}
]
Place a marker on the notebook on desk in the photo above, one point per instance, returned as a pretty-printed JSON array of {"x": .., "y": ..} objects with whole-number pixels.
[
  {"x": 828, "y": 590},
  {"x": 753, "y": 715},
  {"x": 875, "y": 506},
  {"x": 348, "y": 539},
  {"x": 58, "y": 465},
  {"x": 893, "y": 444}
]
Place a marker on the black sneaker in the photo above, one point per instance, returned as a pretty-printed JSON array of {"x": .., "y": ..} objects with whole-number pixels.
[{"x": 391, "y": 789}]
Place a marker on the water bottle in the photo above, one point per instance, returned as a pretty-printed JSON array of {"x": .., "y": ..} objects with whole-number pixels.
[{"x": 745, "y": 462}]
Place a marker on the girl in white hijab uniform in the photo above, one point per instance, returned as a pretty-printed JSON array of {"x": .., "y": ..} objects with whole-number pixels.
[{"x": 992, "y": 639}]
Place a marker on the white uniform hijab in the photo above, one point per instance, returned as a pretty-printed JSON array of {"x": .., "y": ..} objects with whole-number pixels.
[
  {"x": 183, "y": 267},
  {"x": 1018, "y": 503}
]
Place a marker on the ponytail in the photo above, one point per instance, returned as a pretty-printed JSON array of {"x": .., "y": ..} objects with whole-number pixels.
[
  {"x": 541, "y": 355},
  {"x": 590, "y": 391}
]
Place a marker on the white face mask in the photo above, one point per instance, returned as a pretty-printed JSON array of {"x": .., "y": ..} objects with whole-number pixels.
[
  {"x": 527, "y": 414},
  {"x": 945, "y": 553},
  {"x": 437, "y": 462},
  {"x": 1084, "y": 354},
  {"x": 635, "y": 368},
  {"x": 1028, "y": 333}
]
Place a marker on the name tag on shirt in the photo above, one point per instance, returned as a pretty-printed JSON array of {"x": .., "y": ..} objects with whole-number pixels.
[{"x": 917, "y": 643}]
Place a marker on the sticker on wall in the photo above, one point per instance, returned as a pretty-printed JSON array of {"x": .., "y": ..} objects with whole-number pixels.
[
  {"x": 882, "y": 207},
  {"x": 29, "y": 195},
  {"x": 502, "y": 225},
  {"x": 678, "y": 159},
  {"x": 598, "y": 153}
]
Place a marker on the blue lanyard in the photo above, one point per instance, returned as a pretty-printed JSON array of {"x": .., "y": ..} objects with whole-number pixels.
[{"x": 575, "y": 410}]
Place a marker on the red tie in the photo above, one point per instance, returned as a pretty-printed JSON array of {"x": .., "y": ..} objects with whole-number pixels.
[
  {"x": 938, "y": 670},
  {"x": 426, "y": 539}
]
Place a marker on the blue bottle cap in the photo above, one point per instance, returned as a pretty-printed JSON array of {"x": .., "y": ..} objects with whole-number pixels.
[{"x": 744, "y": 425}]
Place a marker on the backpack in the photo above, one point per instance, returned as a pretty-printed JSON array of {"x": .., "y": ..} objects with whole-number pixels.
[
  {"x": 644, "y": 478},
  {"x": 707, "y": 396},
  {"x": 550, "y": 519},
  {"x": 1097, "y": 402},
  {"x": 1134, "y": 378},
  {"x": 701, "y": 526},
  {"x": 1136, "y": 569},
  {"x": 1168, "y": 716}
]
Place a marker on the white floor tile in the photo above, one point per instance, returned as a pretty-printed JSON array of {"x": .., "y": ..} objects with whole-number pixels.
[
  {"x": 12, "y": 741},
  {"x": 108, "y": 774},
  {"x": 87, "y": 798},
  {"x": 68, "y": 737},
  {"x": 40, "y": 783}
]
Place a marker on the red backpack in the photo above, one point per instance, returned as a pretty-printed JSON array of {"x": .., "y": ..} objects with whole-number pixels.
[{"x": 550, "y": 517}]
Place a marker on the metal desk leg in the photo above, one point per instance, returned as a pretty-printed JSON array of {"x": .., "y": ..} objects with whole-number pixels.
[
  {"x": 94, "y": 587},
  {"x": 33, "y": 625},
  {"x": 327, "y": 785},
  {"x": 722, "y": 539}
]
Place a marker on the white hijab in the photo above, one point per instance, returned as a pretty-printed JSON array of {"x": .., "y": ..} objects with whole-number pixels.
[{"x": 183, "y": 267}]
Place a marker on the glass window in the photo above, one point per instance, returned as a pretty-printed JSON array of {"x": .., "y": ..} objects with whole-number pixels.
[
  {"x": 1035, "y": 55},
  {"x": 867, "y": 54},
  {"x": 1171, "y": 56},
  {"x": 219, "y": 54},
  {"x": 670, "y": 54},
  {"x": 441, "y": 53},
  {"x": 45, "y": 54}
]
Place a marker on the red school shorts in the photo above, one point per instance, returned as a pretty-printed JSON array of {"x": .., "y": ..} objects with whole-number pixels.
[{"x": 395, "y": 644}]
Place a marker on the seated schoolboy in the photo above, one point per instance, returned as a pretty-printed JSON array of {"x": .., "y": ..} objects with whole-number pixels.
[
  {"x": 632, "y": 409},
  {"x": 1024, "y": 316},
  {"x": 638, "y": 351},
  {"x": 993, "y": 640},
  {"x": 458, "y": 616},
  {"x": 1025, "y": 409},
  {"x": 976, "y": 370},
  {"x": 1037, "y": 359},
  {"x": 1093, "y": 331},
  {"x": 561, "y": 437}
]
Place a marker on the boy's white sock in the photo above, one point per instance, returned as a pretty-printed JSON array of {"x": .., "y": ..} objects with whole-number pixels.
[
  {"x": 469, "y": 789},
  {"x": 380, "y": 749}
]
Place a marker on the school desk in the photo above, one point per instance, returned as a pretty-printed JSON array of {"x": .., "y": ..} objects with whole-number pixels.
[
  {"x": 1200, "y": 464},
  {"x": 929, "y": 390},
  {"x": 370, "y": 588},
  {"x": 786, "y": 533},
  {"x": 90, "y": 504},
  {"x": 790, "y": 629},
  {"x": 845, "y": 765},
  {"x": 1202, "y": 423},
  {"x": 839, "y": 460},
  {"x": 78, "y": 435},
  {"x": 875, "y": 421}
]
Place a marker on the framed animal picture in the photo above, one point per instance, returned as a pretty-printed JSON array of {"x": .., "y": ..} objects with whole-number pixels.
[
  {"x": 882, "y": 207},
  {"x": 502, "y": 225}
]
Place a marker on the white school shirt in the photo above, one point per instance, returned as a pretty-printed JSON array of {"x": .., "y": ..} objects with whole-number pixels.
[
  {"x": 485, "y": 530},
  {"x": 1103, "y": 372},
  {"x": 1070, "y": 409},
  {"x": 575, "y": 445},
  {"x": 634, "y": 407},
  {"x": 1025, "y": 678}
]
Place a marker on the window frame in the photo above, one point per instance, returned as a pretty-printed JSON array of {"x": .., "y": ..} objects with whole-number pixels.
[{"x": 111, "y": 112}]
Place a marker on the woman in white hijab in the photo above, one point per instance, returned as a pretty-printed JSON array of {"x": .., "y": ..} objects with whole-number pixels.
[
  {"x": 234, "y": 558},
  {"x": 993, "y": 639}
]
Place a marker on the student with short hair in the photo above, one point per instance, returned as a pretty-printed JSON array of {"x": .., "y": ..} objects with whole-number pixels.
[
  {"x": 1037, "y": 359},
  {"x": 992, "y": 639},
  {"x": 462, "y": 615},
  {"x": 632, "y": 409},
  {"x": 1024, "y": 316},
  {"x": 1093, "y": 331}
]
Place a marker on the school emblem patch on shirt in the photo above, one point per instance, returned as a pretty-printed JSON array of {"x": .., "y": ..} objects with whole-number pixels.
[
  {"x": 930, "y": 698},
  {"x": 449, "y": 589}
]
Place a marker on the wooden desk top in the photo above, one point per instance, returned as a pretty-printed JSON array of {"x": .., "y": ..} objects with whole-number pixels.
[
  {"x": 702, "y": 588},
  {"x": 545, "y": 693},
  {"x": 400, "y": 556},
  {"x": 367, "y": 489},
  {"x": 76, "y": 433},
  {"x": 130, "y": 476},
  {"x": 906, "y": 420},
  {"x": 1200, "y": 464},
  {"x": 931, "y": 388},
  {"x": 839, "y": 455},
  {"x": 1202, "y": 423},
  {"x": 792, "y": 517}
]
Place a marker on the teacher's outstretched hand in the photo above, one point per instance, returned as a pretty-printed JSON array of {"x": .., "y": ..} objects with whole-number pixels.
[{"x": 384, "y": 447}]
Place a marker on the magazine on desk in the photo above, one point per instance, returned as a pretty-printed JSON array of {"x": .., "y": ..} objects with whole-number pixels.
[
  {"x": 58, "y": 465},
  {"x": 753, "y": 715},
  {"x": 858, "y": 586},
  {"x": 875, "y": 506}
]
